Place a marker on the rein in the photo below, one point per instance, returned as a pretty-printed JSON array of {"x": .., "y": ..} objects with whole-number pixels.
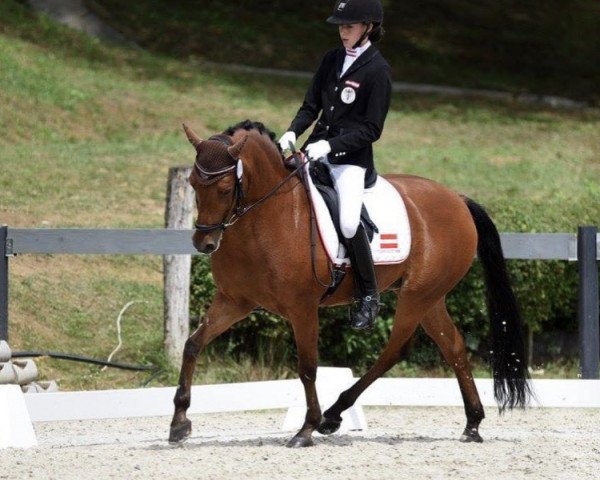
[{"x": 238, "y": 210}]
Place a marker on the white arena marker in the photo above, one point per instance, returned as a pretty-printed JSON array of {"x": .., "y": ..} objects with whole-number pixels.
[
  {"x": 16, "y": 430},
  {"x": 331, "y": 381}
]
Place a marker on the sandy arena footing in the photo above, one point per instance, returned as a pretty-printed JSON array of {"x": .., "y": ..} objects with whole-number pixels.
[{"x": 405, "y": 442}]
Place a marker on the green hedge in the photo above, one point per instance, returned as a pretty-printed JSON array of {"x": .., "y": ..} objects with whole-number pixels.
[{"x": 546, "y": 290}]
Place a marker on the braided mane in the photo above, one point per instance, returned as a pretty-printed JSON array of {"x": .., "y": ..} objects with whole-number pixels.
[{"x": 251, "y": 125}]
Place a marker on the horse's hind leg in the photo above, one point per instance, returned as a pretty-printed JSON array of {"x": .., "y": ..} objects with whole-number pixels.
[
  {"x": 439, "y": 326},
  {"x": 221, "y": 315},
  {"x": 409, "y": 313}
]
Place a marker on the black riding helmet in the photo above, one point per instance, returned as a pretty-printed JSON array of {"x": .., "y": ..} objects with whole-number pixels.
[{"x": 356, "y": 11}]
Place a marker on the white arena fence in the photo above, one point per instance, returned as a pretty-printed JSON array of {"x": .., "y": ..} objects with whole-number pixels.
[{"x": 18, "y": 411}]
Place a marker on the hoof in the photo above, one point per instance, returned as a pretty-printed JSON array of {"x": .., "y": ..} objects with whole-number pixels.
[
  {"x": 471, "y": 435},
  {"x": 180, "y": 433},
  {"x": 329, "y": 426},
  {"x": 299, "y": 441}
]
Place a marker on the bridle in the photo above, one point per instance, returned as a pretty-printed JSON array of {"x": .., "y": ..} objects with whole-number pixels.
[{"x": 237, "y": 210}]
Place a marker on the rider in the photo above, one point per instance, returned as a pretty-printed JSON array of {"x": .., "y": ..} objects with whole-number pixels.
[{"x": 351, "y": 91}]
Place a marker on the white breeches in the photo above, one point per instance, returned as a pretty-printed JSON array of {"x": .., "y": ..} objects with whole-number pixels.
[{"x": 350, "y": 185}]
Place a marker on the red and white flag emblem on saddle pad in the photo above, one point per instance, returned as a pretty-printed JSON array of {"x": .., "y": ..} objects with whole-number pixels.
[
  {"x": 388, "y": 240},
  {"x": 386, "y": 209}
]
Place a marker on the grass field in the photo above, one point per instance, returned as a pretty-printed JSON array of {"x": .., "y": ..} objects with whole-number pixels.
[{"x": 89, "y": 132}]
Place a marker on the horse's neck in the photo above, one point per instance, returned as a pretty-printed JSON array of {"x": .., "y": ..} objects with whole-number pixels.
[
  {"x": 265, "y": 173},
  {"x": 285, "y": 207},
  {"x": 261, "y": 244},
  {"x": 279, "y": 199},
  {"x": 280, "y": 193}
]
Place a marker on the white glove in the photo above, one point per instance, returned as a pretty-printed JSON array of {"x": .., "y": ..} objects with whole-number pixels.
[
  {"x": 319, "y": 149},
  {"x": 286, "y": 138}
]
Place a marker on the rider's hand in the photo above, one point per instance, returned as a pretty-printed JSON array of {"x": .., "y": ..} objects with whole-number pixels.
[
  {"x": 286, "y": 138},
  {"x": 319, "y": 149}
]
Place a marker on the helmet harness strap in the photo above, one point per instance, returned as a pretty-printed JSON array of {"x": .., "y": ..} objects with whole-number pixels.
[{"x": 363, "y": 36}]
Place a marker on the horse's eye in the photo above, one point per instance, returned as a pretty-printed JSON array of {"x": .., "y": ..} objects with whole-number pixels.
[{"x": 226, "y": 191}]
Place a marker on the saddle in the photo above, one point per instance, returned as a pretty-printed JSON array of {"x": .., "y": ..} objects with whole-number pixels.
[
  {"x": 383, "y": 215},
  {"x": 320, "y": 174}
]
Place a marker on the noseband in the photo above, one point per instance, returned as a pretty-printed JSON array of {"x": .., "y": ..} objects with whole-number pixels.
[{"x": 237, "y": 210}]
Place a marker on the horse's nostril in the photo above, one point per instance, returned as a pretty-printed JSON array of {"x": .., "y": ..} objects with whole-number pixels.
[{"x": 209, "y": 248}]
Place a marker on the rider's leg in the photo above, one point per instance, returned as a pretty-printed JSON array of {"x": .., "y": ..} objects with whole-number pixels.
[
  {"x": 349, "y": 183},
  {"x": 363, "y": 313}
]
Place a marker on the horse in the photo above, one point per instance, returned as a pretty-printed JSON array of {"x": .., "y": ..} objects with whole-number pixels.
[{"x": 254, "y": 221}]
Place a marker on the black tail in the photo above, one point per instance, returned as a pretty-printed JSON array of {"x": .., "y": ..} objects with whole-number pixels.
[{"x": 508, "y": 358}]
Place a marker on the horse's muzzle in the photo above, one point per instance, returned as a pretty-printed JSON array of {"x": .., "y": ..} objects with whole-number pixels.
[{"x": 207, "y": 243}]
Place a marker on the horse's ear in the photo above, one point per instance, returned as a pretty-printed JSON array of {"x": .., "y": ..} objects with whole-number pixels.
[
  {"x": 236, "y": 148},
  {"x": 194, "y": 139}
]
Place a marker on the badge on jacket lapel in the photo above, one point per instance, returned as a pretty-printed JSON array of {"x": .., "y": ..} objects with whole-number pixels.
[{"x": 348, "y": 95}]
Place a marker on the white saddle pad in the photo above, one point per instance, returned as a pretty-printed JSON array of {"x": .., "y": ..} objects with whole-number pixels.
[{"x": 386, "y": 209}]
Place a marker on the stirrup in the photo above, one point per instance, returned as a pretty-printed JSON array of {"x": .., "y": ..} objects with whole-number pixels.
[{"x": 363, "y": 312}]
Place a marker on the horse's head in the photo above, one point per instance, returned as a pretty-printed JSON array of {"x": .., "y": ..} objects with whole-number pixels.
[{"x": 216, "y": 179}]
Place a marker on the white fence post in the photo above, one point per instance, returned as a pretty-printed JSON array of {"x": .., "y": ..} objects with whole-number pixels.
[
  {"x": 16, "y": 430},
  {"x": 178, "y": 215}
]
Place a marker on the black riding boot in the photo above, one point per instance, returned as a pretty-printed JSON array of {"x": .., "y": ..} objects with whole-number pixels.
[{"x": 364, "y": 311}]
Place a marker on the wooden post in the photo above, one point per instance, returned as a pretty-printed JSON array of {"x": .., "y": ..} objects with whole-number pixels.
[{"x": 178, "y": 215}]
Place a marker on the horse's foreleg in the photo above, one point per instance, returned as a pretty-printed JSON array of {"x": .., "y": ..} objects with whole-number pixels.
[
  {"x": 439, "y": 326},
  {"x": 181, "y": 427},
  {"x": 407, "y": 317},
  {"x": 221, "y": 315},
  {"x": 306, "y": 334}
]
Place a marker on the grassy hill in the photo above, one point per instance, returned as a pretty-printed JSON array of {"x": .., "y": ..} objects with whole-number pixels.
[
  {"x": 90, "y": 130},
  {"x": 535, "y": 46}
]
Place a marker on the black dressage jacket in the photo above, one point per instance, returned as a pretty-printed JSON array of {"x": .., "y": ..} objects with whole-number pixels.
[{"x": 353, "y": 107}]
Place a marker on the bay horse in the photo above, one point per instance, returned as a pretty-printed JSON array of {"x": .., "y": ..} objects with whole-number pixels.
[{"x": 254, "y": 221}]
